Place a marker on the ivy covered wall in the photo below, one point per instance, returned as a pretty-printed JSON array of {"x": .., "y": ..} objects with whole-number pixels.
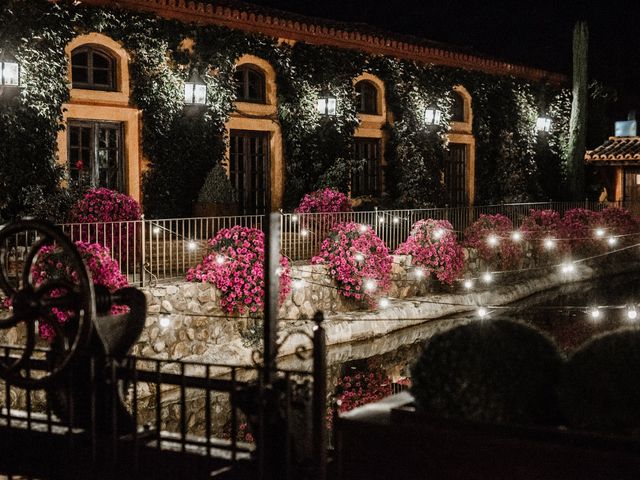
[{"x": 512, "y": 161}]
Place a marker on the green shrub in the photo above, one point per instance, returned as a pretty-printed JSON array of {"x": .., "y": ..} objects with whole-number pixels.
[
  {"x": 495, "y": 372},
  {"x": 217, "y": 187},
  {"x": 600, "y": 384}
]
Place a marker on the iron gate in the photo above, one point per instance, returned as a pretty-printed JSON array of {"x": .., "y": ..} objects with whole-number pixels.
[{"x": 80, "y": 406}]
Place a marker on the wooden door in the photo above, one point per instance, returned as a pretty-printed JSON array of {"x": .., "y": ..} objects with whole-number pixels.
[
  {"x": 249, "y": 170},
  {"x": 632, "y": 188},
  {"x": 455, "y": 174}
]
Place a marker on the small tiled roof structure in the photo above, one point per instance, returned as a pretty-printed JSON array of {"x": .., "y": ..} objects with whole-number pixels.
[
  {"x": 616, "y": 151},
  {"x": 276, "y": 23}
]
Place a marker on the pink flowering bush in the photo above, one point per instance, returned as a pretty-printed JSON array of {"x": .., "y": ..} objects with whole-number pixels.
[
  {"x": 101, "y": 205},
  {"x": 577, "y": 229},
  {"x": 433, "y": 245},
  {"x": 234, "y": 263},
  {"x": 506, "y": 254},
  {"x": 358, "y": 260},
  {"x": 540, "y": 225},
  {"x": 619, "y": 221},
  {"x": 325, "y": 200},
  {"x": 52, "y": 264}
]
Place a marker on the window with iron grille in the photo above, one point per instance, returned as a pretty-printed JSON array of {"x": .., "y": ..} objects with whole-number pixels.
[
  {"x": 365, "y": 179},
  {"x": 93, "y": 68},
  {"x": 95, "y": 154},
  {"x": 367, "y": 97},
  {"x": 250, "y": 85}
]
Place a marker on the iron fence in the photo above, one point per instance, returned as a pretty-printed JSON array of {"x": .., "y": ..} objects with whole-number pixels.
[{"x": 149, "y": 251}]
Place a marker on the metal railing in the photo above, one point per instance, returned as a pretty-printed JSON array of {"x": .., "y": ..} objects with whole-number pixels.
[{"x": 149, "y": 251}]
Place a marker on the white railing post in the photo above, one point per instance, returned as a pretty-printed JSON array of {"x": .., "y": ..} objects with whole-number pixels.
[{"x": 143, "y": 250}]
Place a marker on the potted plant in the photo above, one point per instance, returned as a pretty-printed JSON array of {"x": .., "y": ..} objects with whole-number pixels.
[{"x": 216, "y": 197}]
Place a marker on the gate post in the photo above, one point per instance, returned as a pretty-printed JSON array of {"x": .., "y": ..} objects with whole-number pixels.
[
  {"x": 272, "y": 292},
  {"x": 319, "y": 405}
]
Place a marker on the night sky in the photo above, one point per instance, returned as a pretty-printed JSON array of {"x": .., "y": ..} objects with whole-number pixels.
[{"x": 534, "y": 33}]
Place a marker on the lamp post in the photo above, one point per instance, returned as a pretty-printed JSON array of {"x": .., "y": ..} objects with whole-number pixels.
[
  {"x": 195, "y": 90},
  {"x": 327, "y": 104},
  {"x": 543, "y": 124},
  {"x": 432, "y": 115}
]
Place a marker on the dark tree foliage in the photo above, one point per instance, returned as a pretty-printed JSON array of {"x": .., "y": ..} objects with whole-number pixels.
[{"x": 492, "y": 372}]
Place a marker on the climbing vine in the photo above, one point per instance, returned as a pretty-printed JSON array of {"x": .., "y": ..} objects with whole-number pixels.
[{"x": 181, "y": 144}]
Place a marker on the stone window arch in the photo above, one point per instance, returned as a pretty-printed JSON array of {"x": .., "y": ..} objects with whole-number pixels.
[
  {"x": 250, "y": 84},
  {"x": 93, "y": 67},
  {"x": 367, "y": 97},
  {"x": 461, "y": 112}
]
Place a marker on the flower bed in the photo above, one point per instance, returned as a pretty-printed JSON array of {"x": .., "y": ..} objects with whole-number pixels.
[
  {"x": 324, "y": 207},
  {"x": 433, "y": 246},
  {"x": 540, "y": 226},
  {"x": 358, "y": 261},
  {"x": 234, "y": 263}
]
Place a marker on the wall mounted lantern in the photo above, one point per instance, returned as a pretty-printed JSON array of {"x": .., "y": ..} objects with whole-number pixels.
[
  {"x": 543, "y": 124},
  {"x": 327, "y": 104},
  {"x": 432, "y": 115},
  {"x": 9, "y": 71},
  {"x": 195, "y": 90}
]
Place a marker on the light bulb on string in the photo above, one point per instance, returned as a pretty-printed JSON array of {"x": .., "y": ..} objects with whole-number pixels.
[
  {"x": 599, "y": 232},
  {"x": 595, "y": 313},
  {"x": 468, "y": 284},
  {"x": 358, "y": 257},
  {"x": 612, "y": 241},
  {"x": 304, "y": 232},
  {"x": 549, "y": 243},
  {"x": 363, "y": 228},
  {"x": 419, "y": 273},
  {"x": 492, "y": 240},
  {"x": 279, "y": 271},
  {"x": 438, "y": 233},
  {"x": 487, "y": 277},
  {"x": 164, "y": 321},
  {"x": 370, "y": 285},
  {"x": 482, "y": 312},
  {"x": 297, "y": 284},
  {"x": 220, "y": 259},
  {"x": 516, "y": 236},
  {"x": 568, "y": 267},
  {"x": 396, "y": 220},
  {"x": 294, "y": 218},
  {"x": 632, "y": 313},
  {"x": 192, "y": 245},
  {"x": 384, "y": 303},
  {"x": 380, "y": 219},
  {"x": 156, "y": 230}
]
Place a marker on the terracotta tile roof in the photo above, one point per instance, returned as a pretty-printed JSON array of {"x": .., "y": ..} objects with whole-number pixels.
[
  {"x": 271, "y": 22},
  {"x": 616, "y": 150}
]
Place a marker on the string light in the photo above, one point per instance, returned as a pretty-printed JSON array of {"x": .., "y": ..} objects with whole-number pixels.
[
  {"x": 279, "y": 271},
  {"x": 396, "y": 220},
  {"x": 304, "y": 232},
  {"x": 468, "y": 284},
  {"x": 156, "y": 230},
  {"x": 595, "y": 313},
  {"x": 516, "y": 236},
  {"x": 298, "y": 284},
  {"x": 220, "y": 259},
  {"x": 632, "y": 313},
  {"x": 192, "y": 245},
  {"x": 599, "y": 232},
  {"x": 482, "y": 312},
  {"x": 370, "y": 285},
  {"x": 487, "y": 277},
  {"x": 419, "y": 273},
  {"x": 549, "y": 243},
  {"x": 438, "y": 233},
  {"x": 294, "y": 218},
  {"x": 384, "y": 302},
  {"x": 359, "y": 257},
  {"x": 492, "y": 240},
  {"x": 567, "y": 267},
  {"x": 164, "y": 321},
  {"x": 380, "y": 219},
  {"x": 612, "y": 241},
  {"x": 363, "y": 228}
]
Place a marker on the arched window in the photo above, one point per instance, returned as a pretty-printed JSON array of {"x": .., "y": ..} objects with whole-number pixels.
[
  {"x": 367, "y": 97},
  {"x": 457, "y": 109},
  {"x": 93, "y": 68},
  {"x": 250, "y": 84}
]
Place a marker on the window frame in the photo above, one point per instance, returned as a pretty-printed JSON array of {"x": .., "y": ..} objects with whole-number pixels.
[
  {"x": 244, "y": 84},
  {"x": 112, "y": 69},
  {"x": 459, "y": 101},
  {"x": 361, "y": 105},
  {"x": 94, "y": 149}
]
